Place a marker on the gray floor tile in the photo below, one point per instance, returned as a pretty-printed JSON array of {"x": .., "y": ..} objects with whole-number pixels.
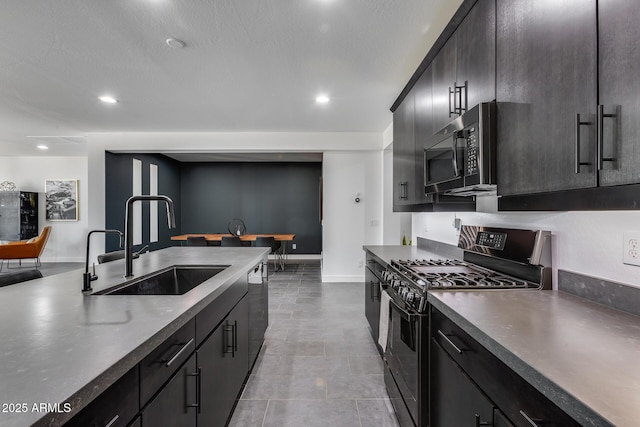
[
  {"x": 357, "y": 387},
  {"x": 284, "y": 387},
  {"x": 378, "y": 413},
  {"x": 313, "y": 413},
  {"x": 249, "y": 413},
  {"x": 294, "y": 348},
  {"x": 366, "y": 365}
]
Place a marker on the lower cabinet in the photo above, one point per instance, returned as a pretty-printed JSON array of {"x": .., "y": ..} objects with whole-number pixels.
[
  {"x": 470, "y": 386},
  {"x": 372, "y": 295},
  {"x": 178, "y": 402},
  {"x": 455, "y": 400},
  {"x": 223, "y": 363}
]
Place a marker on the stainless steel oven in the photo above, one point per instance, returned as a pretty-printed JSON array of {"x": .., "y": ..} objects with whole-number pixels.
[{"x": 460, "y": 159}]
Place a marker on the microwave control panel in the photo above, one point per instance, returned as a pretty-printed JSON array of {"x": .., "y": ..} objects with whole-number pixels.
[{"x": 471, "y": 168}]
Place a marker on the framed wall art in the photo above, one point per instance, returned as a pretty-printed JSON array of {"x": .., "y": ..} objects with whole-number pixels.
[{"x": 61, "y": 199}]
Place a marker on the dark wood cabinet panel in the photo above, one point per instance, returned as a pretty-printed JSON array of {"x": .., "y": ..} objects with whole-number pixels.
[
  {"x": 546, "y": 76},
  {"x": 223, "y": 360},
  {"x": 619, "y": 90},
  {"x": 403, "y": 153},
  {"x": 476, "y": 54},
  {"x": 173, "y": 406},
  {"x": 423, "y": 99},
  {"x": 444, "y": 77},
  {"x": 455, "y": 399}
]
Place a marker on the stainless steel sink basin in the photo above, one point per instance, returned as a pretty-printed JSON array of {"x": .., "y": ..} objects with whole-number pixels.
[{"x": 176, "y": 280}]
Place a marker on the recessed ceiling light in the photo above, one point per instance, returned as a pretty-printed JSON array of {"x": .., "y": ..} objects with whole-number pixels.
[
  {"x": 108, "y": 99},
  {"x": 42, "y": 147},
  {"x": 175, "y": 43},
  {"x": 322, "y": 99}
]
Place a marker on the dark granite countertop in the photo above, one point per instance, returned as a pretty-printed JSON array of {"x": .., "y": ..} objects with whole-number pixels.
[
  {"x": 582, "y": 355},
  {"x": 58, "y": 345}
]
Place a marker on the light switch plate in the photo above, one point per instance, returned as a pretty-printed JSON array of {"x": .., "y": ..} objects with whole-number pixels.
[{"x": 631, "y": 247}]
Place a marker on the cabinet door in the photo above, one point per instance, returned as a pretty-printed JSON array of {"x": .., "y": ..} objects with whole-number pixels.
[
  {"x": 455, "y": 399},
  {"x": 546, "y": 76},
  {"x": 372, "y": 302},
  {"x": 403, "y": 152},
  {"x": 223, "y": 360},
  {"x": 620, "y": 90},
  {"x": 9, "y": 215},
  {"x": 476, "y": 54},
  {"x": 423, "y": 128},
  {"x": 173, "y": 406},
  {"x": 444, "y": 78}
]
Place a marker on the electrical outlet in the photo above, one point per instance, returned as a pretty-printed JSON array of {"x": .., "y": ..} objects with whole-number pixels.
[
  {"x": 631, "y": 247},
  {"x": 294, "y": 246}
]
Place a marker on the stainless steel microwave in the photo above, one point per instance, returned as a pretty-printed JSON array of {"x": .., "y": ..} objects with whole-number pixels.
[{"x": 460, "y": 159}]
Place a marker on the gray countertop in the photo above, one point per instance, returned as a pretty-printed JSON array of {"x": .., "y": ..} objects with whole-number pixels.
[
  {"x": 386, "y": 253},
  {"x": 58, "y": 345},
  {"x": 581, "y": 355}
]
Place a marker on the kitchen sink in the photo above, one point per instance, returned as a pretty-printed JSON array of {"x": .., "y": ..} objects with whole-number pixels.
[{"x": 176, "y": 280}]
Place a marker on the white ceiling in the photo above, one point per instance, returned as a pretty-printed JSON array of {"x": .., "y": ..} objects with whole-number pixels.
[{"x": 248, "y": 65}]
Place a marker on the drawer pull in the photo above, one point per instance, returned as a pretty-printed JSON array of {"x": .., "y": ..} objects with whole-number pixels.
[
  {"x": 446, "y": 338},
  {"x": 198, "y": 404},
  {"x": 113, "y": 421},
  {"x": 482, "y": 423},
  {"x": 531, "y": 421},
  {"x": 178, "y": 353}
]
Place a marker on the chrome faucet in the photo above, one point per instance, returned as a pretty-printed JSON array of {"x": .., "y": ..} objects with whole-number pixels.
[
  {"x": 128, "y": 226},
  {"x": 87, "y": 277}
]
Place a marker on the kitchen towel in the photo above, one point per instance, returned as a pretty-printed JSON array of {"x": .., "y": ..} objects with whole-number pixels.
[{"x": 384, "y": 320}]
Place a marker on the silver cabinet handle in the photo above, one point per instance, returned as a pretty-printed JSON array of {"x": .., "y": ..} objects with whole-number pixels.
[
  {"x": 530, "y": 420},
  {"x": 578, "y": 163},
  {"x": 113, "y": 421},
  {"x": 446, "y": 338},
  {"x": 179, "y": 352},
  {"x": 600, "y": 142},
  {"x": 198, "y": 403},
  {"x": 482, "y": 423}
]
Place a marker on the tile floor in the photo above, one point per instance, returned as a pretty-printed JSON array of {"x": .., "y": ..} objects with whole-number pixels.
[{"x": 318, "y": 365}]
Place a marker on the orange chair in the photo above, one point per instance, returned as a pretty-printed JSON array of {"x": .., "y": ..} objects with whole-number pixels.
[{"x": 25, "y": 249}]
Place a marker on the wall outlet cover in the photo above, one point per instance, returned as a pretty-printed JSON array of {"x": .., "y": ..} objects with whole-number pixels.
[
  {"x": 294, "y": 246},
  {"x": 631, "y": 247}
]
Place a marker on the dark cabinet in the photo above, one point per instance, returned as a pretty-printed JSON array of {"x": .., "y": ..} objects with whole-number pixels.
[
  {"x": 480, "y": 378},
  {"x": 178, "y": 403},
  {"x": 464, "y": 69},
  {"x": 404, "y": 185},
  {"x": 372, "y": 296},
  {"x": 258, "y": 297},
  {"x": 223, "y": 362},
  {"x": 18, "y": 215},
  {"x": 546, "y": 93},
  {"x": 619, "y": 92},
  {"x": 444, "y": 85},
  {"x": 115, "y": 407},
  {"x": 455, "y": 399}
]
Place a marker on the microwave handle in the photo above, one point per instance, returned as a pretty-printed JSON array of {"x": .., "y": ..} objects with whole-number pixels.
[{"x": 454, "y": 158}]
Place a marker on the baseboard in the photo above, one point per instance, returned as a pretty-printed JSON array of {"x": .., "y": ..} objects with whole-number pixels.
[
  {"x": 62, "y": 259},
  {"x": 335, "y": 279}
]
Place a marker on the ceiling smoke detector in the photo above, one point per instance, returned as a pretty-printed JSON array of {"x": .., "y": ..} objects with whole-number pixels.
[{"x": 175, "y": 43}]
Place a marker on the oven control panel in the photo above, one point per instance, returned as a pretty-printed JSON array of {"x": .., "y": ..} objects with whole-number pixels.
[{"x": 491, "y": 239}]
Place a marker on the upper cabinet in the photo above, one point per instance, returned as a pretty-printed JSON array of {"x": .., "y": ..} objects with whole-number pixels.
[
  {"x": 546, "y": 93},
  {"x": 568, "y": 104},
  {"x": 464, "y": 69},
  {"x": 618, "y": 112},
  {"x": 404, "y": 184}
]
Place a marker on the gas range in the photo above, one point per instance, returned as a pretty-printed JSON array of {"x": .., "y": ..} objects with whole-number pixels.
[{"x": 494, "y": 258}]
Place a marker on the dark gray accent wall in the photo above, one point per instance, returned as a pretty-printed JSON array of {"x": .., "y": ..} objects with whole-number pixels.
[
  {"x": 118, "y": 188},
  {"x": 268, "y": 197}
]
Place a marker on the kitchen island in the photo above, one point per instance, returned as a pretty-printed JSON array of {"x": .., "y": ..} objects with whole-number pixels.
[{"x": 61, "y": 349}]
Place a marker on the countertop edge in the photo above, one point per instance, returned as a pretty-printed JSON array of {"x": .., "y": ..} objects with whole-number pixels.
[{"x": 561, "y": 397}]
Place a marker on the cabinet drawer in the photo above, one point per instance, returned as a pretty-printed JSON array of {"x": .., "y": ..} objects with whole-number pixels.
[
  {"x": 212, "y": 315},
  {"x": 517, "y": 399},
  {"x": 157, "y": 367},
  {"x": 115, "y": 407}
]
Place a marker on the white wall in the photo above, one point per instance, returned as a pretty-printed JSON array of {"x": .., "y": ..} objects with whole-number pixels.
[
  {"x": 348, "y": 225},
  {"x": 588, "y": 243},
  {"x": 67, "y": 239}
]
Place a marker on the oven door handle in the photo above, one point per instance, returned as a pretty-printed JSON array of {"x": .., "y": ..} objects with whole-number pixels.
[{"x": 409, "y": 317}]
